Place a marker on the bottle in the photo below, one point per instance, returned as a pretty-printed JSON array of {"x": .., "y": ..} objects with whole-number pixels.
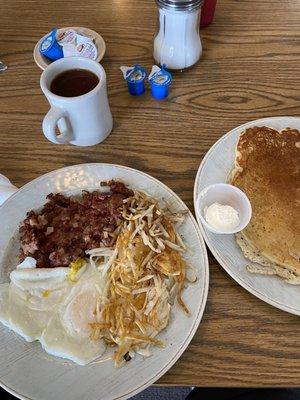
[
  {"x": 177, "y": 43},
  {"x": 207, "y": 13}
]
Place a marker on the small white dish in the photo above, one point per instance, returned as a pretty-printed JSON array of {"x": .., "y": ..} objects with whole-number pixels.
[
  {"x": 224, "y": 194},
  {"x": 43, "y": 62}
]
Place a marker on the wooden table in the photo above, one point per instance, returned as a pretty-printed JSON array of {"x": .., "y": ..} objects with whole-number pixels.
[{"x": 250, "y": 69}]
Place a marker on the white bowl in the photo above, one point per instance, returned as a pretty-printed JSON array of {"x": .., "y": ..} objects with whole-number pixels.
[
  {"x": 225, "y": 194},
  {"x": 43, "y": 62}
]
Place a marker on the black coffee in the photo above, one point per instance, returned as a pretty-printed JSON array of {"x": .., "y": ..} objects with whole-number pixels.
[{"x": 74, "y": 82}]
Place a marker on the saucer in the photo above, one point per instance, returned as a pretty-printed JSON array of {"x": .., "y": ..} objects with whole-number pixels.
[{"x": 43, "y": 62}]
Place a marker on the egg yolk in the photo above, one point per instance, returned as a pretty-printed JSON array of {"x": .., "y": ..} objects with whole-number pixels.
[{"x": 74, "y": 268}]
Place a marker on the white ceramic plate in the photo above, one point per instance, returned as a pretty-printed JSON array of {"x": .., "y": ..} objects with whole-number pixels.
[
  {"x": 30, "y": 373},
  {"x": 43, "y": 62},
  {"x": 215, "y": 168}
]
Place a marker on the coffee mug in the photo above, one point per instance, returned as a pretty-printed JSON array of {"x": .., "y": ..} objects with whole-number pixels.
[{"x": 83, "y": 120}]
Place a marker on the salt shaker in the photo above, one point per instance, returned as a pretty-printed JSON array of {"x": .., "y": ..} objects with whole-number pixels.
[{"x": 177, "y": 43}]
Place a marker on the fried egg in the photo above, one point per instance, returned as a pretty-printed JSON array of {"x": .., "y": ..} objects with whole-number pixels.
[
  {"x": 4, "y": 295},
  {"x": 28, "y": 309},
  {"x": 56, "y": 307},
  {"x": 68, "y": 332}
]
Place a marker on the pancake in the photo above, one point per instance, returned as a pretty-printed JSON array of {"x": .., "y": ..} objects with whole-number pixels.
[
  {"x": 261, "y": 265},
  {"x": 267, "y": 169}
]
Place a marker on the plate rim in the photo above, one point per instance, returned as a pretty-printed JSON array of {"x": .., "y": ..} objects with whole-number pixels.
[
  {"x": 215, "y": 252},
  {"x": 41, "y": 63},
  {"x": 201, "y": 307}
]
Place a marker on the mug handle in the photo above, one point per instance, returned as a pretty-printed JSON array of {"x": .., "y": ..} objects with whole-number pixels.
[{"x": 51, "y": 121}]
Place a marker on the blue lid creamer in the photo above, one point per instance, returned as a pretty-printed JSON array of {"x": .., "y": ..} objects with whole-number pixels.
[
  {"x": 50, "y": 48},
  {"x": 160, "y": 80},
  {"x": 135, "y": 77}
]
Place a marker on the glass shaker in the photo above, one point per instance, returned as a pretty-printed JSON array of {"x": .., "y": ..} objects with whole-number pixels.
[{"x": 177, "y": 43}]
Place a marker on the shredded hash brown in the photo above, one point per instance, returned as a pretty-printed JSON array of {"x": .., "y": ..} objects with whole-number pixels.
[{"x": 145, "y": 273}]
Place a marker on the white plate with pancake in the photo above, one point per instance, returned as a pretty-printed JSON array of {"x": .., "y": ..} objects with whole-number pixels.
[
  {"x": 216, "y": 168},
  {"x": 25, "y": 369}
]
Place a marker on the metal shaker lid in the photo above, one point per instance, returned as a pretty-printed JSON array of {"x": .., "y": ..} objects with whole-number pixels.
[{"x": 180, "y": 5}]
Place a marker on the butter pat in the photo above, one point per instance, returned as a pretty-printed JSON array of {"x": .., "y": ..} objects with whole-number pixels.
[
  {"x": 221, "y": 217},
  {"x": 88, "y": 50},
  {"x": 68, "y": 36}
]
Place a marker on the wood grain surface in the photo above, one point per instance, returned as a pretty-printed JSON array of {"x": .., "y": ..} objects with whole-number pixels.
[{"x": 250, "y": 69}]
